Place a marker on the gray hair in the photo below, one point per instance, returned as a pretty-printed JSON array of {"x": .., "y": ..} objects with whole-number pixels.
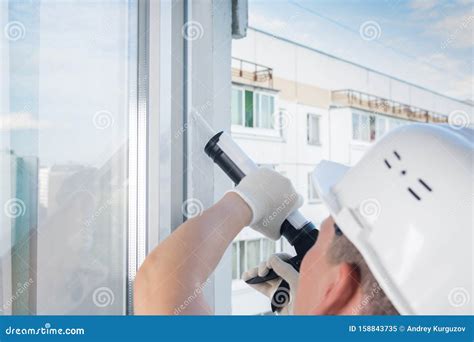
[{"x": 375, "y": 301}]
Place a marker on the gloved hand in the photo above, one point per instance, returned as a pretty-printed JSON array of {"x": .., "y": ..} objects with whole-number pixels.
[
  {"x": 271, "y": 197},
  {"x": 285, "y": 271}
]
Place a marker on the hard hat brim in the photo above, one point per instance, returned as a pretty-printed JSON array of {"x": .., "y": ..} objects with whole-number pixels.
[{"x": 325, "y": 175}]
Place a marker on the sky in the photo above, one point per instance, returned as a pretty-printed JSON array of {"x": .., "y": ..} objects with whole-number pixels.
[{"x": 426, "y": 42}]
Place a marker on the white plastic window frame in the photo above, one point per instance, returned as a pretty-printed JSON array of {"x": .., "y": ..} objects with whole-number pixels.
[
  {"x": 389, "y": 124},
  {"x": 261, "y": 240},
  {"x": 310, "y": 129},
  {"x": 187, "y": 74},
  {"x": 241, "y": 129},
  {"x": 313, "y": 197}
]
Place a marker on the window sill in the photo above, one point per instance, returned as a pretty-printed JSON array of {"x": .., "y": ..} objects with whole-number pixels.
[{"x": 256, "y": 133}]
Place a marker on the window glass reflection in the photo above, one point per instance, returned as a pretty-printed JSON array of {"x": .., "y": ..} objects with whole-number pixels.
[{"x": 67, "y": 71}]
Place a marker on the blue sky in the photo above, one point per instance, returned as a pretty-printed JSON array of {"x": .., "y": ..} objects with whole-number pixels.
[{"x": 427, "y": 42}]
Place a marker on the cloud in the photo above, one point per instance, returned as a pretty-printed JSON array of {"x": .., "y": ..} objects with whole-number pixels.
[
  {"x": 456, "y": 30},
  {"x": 459, "y": 86},
  {"x": 423, "y": 5}
]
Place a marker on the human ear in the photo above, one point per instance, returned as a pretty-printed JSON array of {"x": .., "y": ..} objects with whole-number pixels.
[{"x": 343, "y": 293}]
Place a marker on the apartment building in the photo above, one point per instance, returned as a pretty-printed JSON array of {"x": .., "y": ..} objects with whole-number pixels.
[{"x": 293, "y": 106}]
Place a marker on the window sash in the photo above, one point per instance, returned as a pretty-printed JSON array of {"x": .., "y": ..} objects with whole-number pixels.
[
  {"x": 253, "y": 109},
  {"x": 237, "y": 106},
  {"x": 313, "y": 129},
  {"x": 312, "y": 193}
]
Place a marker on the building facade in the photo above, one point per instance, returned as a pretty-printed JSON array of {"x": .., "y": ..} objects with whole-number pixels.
[{"x": 293, "y": 106}]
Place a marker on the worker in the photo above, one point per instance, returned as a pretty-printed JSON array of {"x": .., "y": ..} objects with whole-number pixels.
[{"x": 398, "y": 239}]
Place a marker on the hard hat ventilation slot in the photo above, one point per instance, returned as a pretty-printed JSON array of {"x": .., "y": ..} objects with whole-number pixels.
[
  {"x": 414, "y": 194},
  {"x": 397, "y": 155},
  {"x": 387, "y": 163},
  {"x": 425, "y": 185}
]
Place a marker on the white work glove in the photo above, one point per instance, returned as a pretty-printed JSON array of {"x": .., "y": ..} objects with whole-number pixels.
[
  {"x": 271, "y": 197},
  {"x": 285, "y": 271}
]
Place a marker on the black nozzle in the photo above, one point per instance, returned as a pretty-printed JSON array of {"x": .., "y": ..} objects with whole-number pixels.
[{"x": 213, "y": 150}]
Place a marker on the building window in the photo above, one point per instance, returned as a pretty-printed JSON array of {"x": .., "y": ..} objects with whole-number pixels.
[
  {"x": 368, "y": 128},
  {"x": 313, "y": 129},
  {"x": 264, "y": 110},
  {"x": 237, "y": 106},
  {"x": 249, "y": 110},
  {"x": 312, "y": 193},
  {"x": 360, "y": 127},
  {"x": 247, "y": 254},
  {"x": 252, "y": 109},
  {"x": 380, "y": 127}
]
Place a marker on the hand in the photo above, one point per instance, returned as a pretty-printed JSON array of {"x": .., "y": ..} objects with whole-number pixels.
[
  {"x": 285, "y": 272},
  {"x": 271, "y": 197}
]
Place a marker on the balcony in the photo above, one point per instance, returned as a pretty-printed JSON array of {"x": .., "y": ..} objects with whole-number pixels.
[
  {"x": 372, "y": 103},
  {"x": 252, "y": 73}
]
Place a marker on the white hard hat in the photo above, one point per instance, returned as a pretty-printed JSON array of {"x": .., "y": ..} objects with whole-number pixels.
[{"x": 407, "y": 206}]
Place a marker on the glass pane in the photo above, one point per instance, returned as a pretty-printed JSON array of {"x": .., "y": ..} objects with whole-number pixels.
[
  {"x": 236, "y": 107},
  {"x": 372, "y": 127},
  {"x": 253, "y": 253},
  {"x": 364, "y": 128},
  {"x": 312, "y": 193},
  {"x": 235, "y": 265},
  {"x": 313, "y": 129},
  {"x": 268, "y": 248},
  {"x": 249, "y": 108},
  {"x": 67, "y": 69},
  {"x": 242, "y": 254},
  {"x": 266, "y": 112},
  {"x": 355, "y": 126},
  {"x": 381, "y": 122}
]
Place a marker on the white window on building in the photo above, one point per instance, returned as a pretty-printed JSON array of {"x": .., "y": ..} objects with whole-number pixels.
[
  {"x": 380, "y": 127},
  {"x": 312, "y": 193},
  {"x": 264, "y": 109},
  {"x": 313, "y": 132},
  {"x": 249, "y": 253},
  {"x": 360, "y": 127},
  {"x": 254, "y": 109},
  {"x": 371, "y": 127},
  {"x": 237, "y": 106}
]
